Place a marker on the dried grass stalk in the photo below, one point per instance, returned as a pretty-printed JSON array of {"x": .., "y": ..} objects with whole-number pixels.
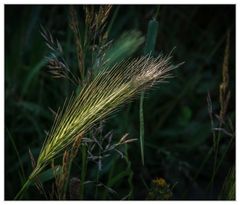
[
  {"x": 74, "y": 25},
  {"x": 224, "y": 92}
]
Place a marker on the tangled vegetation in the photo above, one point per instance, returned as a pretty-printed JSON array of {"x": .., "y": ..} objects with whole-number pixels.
[{"x": 70, "y": 68}]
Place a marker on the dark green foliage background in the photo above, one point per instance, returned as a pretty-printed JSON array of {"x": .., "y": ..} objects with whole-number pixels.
[{"x": 177, "y": 125}]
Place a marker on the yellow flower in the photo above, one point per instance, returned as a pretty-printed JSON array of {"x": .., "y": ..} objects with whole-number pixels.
[
  {"x": 160, "y": 182},
  {"x": 160, "y": 190}
]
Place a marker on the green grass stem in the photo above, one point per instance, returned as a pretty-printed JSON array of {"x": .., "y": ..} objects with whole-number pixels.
[{"x": 149, "y": 49}]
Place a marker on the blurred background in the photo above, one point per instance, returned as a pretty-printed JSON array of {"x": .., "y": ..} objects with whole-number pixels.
[{"x": 179, "y": 138}]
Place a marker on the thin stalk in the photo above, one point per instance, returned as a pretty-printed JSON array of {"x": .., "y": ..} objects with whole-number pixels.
[
  {"x": 67, "y": 178},
  {"x": 110, "y": 175},
  {"x": 97, "y": 180},
  {"x": 98, "y": 171},
  {"x": 141, "y": 116},
  {"x": 224, "y": 154},
  {"x": 203, "y": 163},
  {"x": 22, "y": 174},
  {"x": 149, "y": 49},
  {"x": 217, "y": 165},
  {"x": 129, "y": 170},
  {"x": 144, "y": 183},
  {"x": 112, "y": 19},
  {"x": 157, "y": 12},
  {"x": 209, "y": 154},
  {"x": 217, "y": 141},
  {"x": 24, "y": 188},
  {"x": 84, "y": 170}
]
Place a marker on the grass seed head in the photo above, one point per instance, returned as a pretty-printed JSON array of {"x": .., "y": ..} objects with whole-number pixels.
[{"x": 103, "y": 95}]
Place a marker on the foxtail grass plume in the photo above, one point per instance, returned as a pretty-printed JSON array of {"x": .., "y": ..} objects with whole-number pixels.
[{"x": 97, "y": 99}]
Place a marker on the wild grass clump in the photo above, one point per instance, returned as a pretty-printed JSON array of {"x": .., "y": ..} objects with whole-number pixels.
[{"x": 97, "y": 99}]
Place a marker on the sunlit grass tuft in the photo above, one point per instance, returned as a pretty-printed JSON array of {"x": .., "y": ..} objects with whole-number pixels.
[{"x": 97, "y": 99}]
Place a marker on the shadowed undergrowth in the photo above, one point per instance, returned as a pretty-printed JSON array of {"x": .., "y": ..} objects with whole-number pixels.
[{"x": 187, "y": 143}]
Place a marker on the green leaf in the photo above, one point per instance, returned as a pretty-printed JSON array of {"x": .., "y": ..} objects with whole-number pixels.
[
  {"x": 118, "y": 177},
  {"x": 32, "y": 75},
  {"x": 34, "y": 108},
  {"x": 49, "y": 174},
  {"x": 123, "y": 48},
  {"x": 151, "y": 36}
]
